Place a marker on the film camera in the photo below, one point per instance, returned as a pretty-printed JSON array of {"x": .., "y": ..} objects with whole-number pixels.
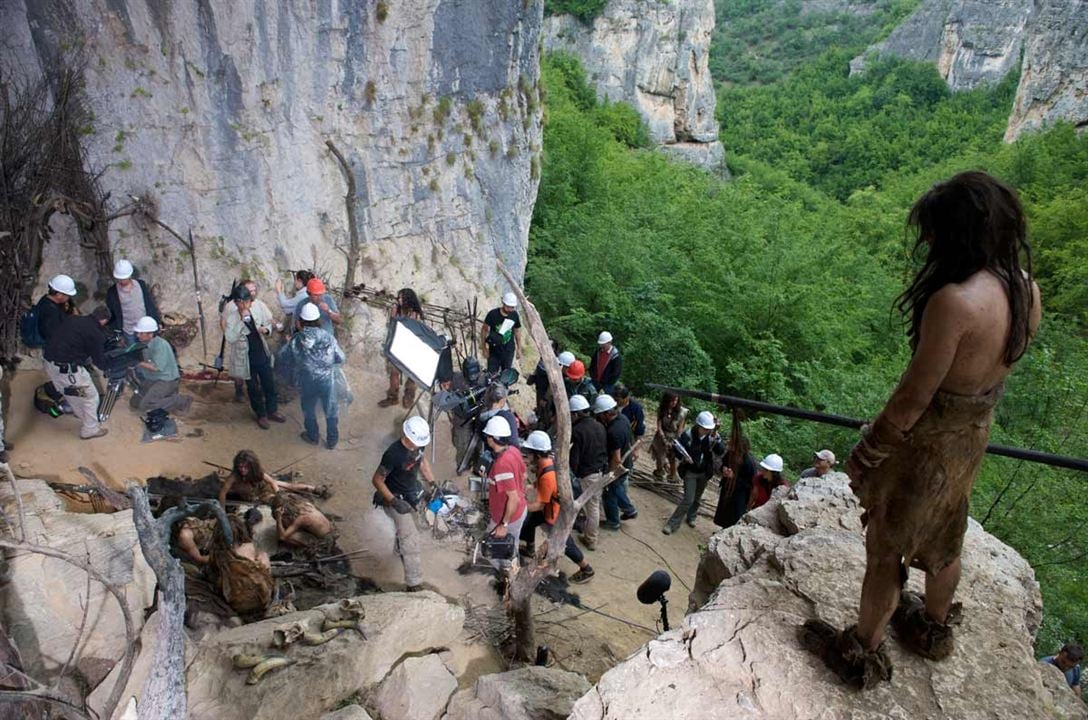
[
  {"x": 469, "y": 406},
  {"x": 121, "y": 358}
]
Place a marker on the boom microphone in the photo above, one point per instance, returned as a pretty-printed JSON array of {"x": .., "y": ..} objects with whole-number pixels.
[{"x": 654, "y": 587}]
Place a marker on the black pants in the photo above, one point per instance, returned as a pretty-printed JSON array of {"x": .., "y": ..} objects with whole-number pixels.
[
  {"x": 528, "y": 534},
  {"x": 501, "y": 357},
  {"x": 261, "y": 386}
]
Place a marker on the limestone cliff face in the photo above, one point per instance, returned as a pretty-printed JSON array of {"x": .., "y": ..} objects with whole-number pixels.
[
  {"x": 221, "y": 112},
  {"x": 802, "y": 555},
  {"x": 654, "y": 56},
  {"x": 971, "y": 42},
  {"x": 1054, "y": 77}
]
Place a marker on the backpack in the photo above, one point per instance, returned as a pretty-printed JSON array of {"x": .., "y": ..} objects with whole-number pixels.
[
  {"x": 28, "y": 329},
  {"x": 45, "y": 404}
]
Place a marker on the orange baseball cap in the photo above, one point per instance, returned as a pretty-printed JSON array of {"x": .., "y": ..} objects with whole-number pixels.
[
  {"x": 576, "y": 371},
  {"x": 315, "y": 287}
]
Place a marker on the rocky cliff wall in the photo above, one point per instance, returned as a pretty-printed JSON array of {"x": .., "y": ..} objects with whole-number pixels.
[
  {"x": 971, "y": 42},
  {"x": 800, "y": 556},
  {"x": 652, "y": 55},
  {"x": 220, "y": 111},
  {"x": 1054, "y": 77}
]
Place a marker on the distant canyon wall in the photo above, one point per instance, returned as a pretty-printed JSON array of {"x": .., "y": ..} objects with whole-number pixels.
[
  {"x": 976, "y": 42},
  {"x": 652, "y": 55},
  {"x": 221, "y": 112}
]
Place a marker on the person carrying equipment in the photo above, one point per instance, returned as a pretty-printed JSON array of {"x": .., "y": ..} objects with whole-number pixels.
[{"x": 78, "y": 340}]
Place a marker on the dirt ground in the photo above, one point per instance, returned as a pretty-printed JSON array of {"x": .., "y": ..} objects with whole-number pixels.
[{"x": 216, "y": 428}]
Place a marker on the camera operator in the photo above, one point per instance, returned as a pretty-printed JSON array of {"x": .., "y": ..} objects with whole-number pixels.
[
  {"x": 466, "y": 386},
  {"x": 495, "y": 402},
  {"x": 76, "y": 340}
]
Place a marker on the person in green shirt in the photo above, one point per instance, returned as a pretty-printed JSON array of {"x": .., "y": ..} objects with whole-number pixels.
[{"x": 157, "y": 376}]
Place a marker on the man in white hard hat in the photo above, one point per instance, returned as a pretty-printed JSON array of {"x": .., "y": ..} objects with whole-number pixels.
[
  {"x": 606, "y": 365},
  {"x": 588, "y": 461},
  {"x": 506, "y": 502},
  {"x": 618, "y": 439},
  {"x": 502, "y": 334},
  {"x": 158, "y": 377},
  {"x": 544, "y": 508},
  {"x": 52, "y": 308},
  {"x": 397, "y": 492},
  {"x": 822, "y": 462},
  {"x": 77, "y": 342},
  {"x": 312, "y": 356},
  {"x": 129, "y": 299},
  {"x": 700, "y": 444}
]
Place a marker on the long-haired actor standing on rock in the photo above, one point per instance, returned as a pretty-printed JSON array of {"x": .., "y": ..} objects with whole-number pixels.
[{"x": 972, "y": 310}]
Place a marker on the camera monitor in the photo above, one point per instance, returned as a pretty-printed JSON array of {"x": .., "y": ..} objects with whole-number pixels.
[{"x": 414, "y": 349}]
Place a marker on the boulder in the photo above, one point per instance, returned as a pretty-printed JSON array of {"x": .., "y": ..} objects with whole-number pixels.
[
  {"x": 417, "y": 689},
  {"x": 42, "y": 604},
  {"x": 397, "y": 625},
  {"x": 528, "y": 693},
  {"x": 737, "y": 654}
]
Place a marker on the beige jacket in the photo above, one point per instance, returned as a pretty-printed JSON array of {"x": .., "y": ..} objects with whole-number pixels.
[{"x": 235, "y": 332}]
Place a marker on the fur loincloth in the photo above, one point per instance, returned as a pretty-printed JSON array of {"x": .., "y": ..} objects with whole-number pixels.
[
  {"x": 917, "y": 499},
  {"x": 246, "y": 585}
]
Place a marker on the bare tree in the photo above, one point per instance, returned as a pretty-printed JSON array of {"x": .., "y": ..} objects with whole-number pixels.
[
  {"x": 43, "y": 172},
  {"x": 350, "y": 199},
  {"x": 539, "y": 567}
]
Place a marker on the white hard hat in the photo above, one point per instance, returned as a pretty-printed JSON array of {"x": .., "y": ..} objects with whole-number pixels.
[
  {"x": 417, "y": 431},
  {"x": 538, "y": 440},
  {"x": 498, "y": 427},
  {"x": 309, "y": 312},
  {"x": 510, "y": 300},
  {"x": 578, "y": 403},
  {"x": 705, "y": 419},
  {"x": 63, "y": 284},
  {"x": 603, "y": 403},
  {"x": 566, "y": 358},
  {"x": 604, "y": 337},
  {"x": 772, "y": 462},
  {"x": 146, "y": 324},
  {"x": 122, "y": 270}
]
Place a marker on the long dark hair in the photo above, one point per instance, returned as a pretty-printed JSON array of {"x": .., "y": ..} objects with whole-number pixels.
[
  {"x": 256, "y": 472},
  {"x": 738, "y": 447},
  {"x": 409, "y": 302},
  {"x": 971, "y": 222},
  {"x": 667, "y": 399}
]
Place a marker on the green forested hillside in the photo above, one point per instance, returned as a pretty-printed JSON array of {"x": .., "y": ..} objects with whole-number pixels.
[
  {"x": 763, "y": 41},
  {"x": 779, "y": 284}
]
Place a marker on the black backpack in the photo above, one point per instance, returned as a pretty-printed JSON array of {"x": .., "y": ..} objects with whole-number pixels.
[
  {"x": 45, "y": 404},
  {"x": 28, "y": 329}
]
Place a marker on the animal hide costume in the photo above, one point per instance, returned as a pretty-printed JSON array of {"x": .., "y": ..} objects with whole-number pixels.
[{"x": 916, "y": 500}]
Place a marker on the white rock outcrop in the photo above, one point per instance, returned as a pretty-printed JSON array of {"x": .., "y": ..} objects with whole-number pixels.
[
  {"x": 220, "y": 111},
  {"x": 42, "y": 601},
  {"x": 528, "y": 693},
  {"x": 652, "y": 55},
  {"x": 417, "y": 689},
  {"x": 972, "y": 42},
  {"x": 1054, "y": 77},
  {"x": 802, "y": 556},
  {"x": 397, "y": 625}
]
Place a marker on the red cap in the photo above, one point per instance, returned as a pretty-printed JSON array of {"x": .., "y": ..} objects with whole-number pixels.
[
  {"x": 315, "y": 287},
  {"x": 576, "y": 371}
]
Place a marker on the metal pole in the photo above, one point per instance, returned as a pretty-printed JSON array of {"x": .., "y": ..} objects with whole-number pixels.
[{"x": 728, "y": 401}]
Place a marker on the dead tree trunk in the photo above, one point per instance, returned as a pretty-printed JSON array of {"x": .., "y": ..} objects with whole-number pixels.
[
  {"x": 536, "y": 569},
  {"x": 352, "y": 253},
  {"x": 163, "y": 693}
]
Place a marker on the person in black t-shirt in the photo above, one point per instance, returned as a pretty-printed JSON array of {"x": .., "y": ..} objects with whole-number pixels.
[
  {"x": 398, "y": 490},
  {"x": 618, "y": 440},
  {"x": 502, "y": 335}
]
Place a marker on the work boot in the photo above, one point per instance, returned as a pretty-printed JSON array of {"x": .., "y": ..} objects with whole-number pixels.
[
  {"x": 390, "y": 399},
  {"x": 920, "y": 633},
  {"x": 844, "y": 654},
  {"x": 102, "y": 432},
  {"x": 306, "y": 438},
  {"x": 262, "y": 422},
  {"x": 414, "y": 588},
  {"x": 629, "y": 515},
  {"x": 690, "y": 522},
  {"x": 588, "y": 544},
  {"x": 409, "y": 397},
  {"x": 582, "y": 576},
  {"x": 277, "y": 417}
]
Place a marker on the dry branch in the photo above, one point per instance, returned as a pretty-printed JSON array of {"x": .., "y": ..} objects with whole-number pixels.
[{"x": 352, "y": 253}]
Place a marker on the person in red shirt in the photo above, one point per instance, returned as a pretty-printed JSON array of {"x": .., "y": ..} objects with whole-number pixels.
[
  {"x": 545, "y": 509},
  {"x": 506, "y": 502},
  {"x": 766, "y": 480}
]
